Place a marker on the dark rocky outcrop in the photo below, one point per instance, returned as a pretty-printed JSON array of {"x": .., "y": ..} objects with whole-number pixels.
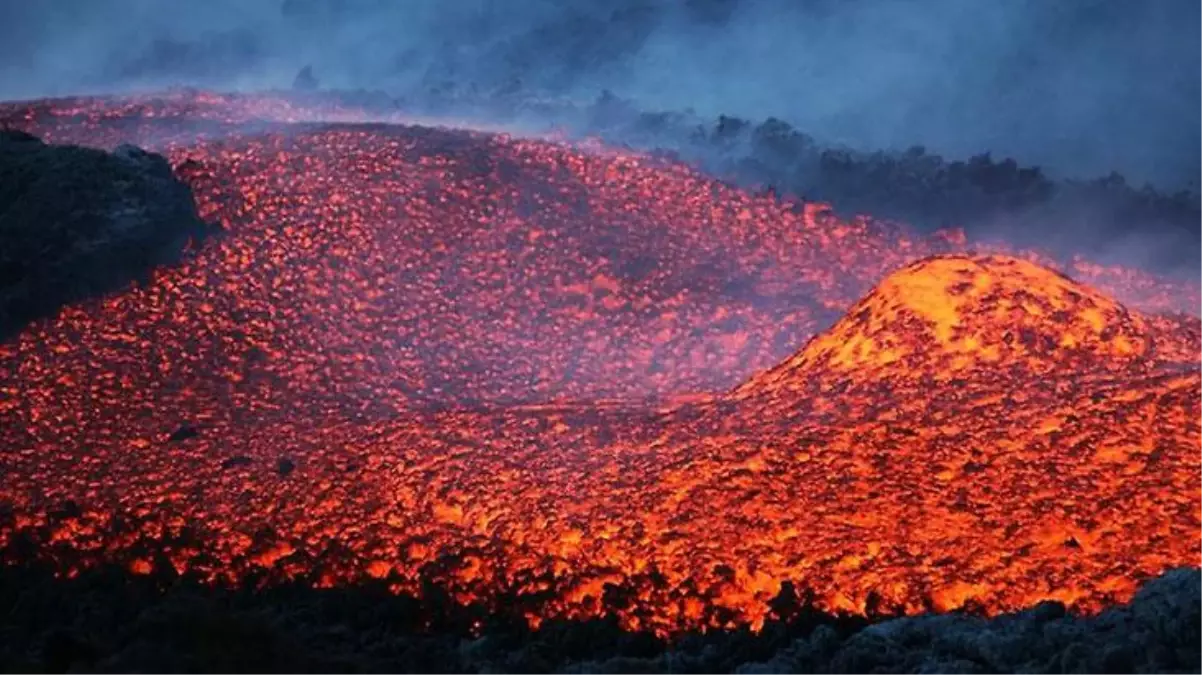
[
  {"x": 305, "y": 80},
  {"x": 78, "y": 222},
  {"x": 107, "y": 620}
]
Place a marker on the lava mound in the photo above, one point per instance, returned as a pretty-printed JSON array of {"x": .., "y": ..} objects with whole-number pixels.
[{"x": 941, "y": 318}]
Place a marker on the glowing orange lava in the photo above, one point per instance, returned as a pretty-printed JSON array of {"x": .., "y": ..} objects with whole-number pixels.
[{"x": 599, "y": 380}]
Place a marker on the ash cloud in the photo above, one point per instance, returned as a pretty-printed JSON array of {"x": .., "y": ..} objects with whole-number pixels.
[{"x": 1083, "y": 87}]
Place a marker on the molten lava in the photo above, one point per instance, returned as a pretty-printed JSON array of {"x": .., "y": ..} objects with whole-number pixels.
[
  {"x": 499, "y": 365},
  {"x": 940, "y": 319}
]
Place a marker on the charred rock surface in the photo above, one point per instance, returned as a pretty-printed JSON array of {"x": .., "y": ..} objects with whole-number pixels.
[
  {"x": 107, "y": 620},
  {"x": 77, "y": 222}
]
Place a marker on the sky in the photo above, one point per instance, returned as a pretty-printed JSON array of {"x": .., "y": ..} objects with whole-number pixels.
[{"x": 1080, "y": 87}]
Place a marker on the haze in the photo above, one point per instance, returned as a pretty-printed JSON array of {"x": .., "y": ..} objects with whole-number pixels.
[{"x": 1082, "y": 87}]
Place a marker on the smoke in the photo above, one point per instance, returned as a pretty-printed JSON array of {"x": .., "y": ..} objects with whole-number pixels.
[{"x": 1082, "y": 87}]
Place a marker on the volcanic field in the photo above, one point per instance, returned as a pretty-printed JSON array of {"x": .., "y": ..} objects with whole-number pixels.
[{"x": 590, "y": 382}]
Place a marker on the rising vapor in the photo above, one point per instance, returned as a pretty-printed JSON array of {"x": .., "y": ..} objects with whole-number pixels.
[{"x": 1082, "y": 87}]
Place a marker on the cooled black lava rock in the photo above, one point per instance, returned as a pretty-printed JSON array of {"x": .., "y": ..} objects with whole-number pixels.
[
  {"x": 235, "y": 462},
  {"x": 183, "y": 433},
  {"x": 78, "y": 222},
  {"x": 62, "y": 651},
  {"x": 285, "y": 466},
  {"x": 305, "y": 80},
  {"x": 109, "y": 620}
]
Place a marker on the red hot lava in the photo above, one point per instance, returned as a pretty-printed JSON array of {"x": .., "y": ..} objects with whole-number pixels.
[{"x": 477, "y": 352}]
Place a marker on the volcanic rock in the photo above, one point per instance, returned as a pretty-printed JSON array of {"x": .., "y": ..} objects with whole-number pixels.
[
  {"x": 17, "y": 136},
  {"x": 142, "y": 624},
  {"x": 285, "y": 466},
  {"x": 235, "y": 462},
  {"x": 305, "y": 80},
  {"x": 76, "y": 222},
  {"x": 64, "y": 651},
  {"x": 183, "y": 433}
]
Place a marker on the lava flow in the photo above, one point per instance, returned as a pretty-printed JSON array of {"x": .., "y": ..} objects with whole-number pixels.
[{"x": 598, "y": 381}]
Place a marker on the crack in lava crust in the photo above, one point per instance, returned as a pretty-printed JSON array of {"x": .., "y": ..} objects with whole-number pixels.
[{"x": 974, "y": 430}]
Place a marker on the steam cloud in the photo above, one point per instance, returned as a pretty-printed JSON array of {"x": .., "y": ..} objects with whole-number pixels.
[{"x": 1082, "y": 87}]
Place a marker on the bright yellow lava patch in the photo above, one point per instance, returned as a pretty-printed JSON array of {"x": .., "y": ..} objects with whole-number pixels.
[{"x": 959, "y": 312}]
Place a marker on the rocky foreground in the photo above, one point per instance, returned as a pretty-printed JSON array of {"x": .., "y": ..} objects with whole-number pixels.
[{"x": 108, "y": 621}]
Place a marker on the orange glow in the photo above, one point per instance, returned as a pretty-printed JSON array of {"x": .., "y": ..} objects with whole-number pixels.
[{"x": 517, "y": 366}]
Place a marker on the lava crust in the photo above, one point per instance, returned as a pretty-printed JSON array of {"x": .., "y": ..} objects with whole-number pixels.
[{"x": 518, "y": 368}]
